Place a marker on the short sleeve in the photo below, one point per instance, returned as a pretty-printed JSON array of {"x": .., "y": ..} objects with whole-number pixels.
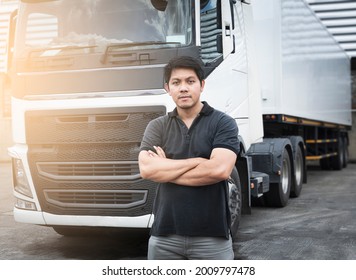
[
  {"x": 226, "y": 135},
  {"x": 152, "y": 135}
]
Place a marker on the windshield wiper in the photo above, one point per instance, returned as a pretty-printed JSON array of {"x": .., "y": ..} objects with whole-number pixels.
[{"x": 52, "y": 51}]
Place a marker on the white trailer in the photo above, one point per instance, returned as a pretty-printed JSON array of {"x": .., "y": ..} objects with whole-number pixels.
[
  {"x": 305, "y": 89},
  {"x": 82, "y": 97}
]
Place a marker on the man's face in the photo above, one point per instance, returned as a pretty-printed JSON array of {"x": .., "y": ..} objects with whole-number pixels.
[{"x": 185, "y": 88}]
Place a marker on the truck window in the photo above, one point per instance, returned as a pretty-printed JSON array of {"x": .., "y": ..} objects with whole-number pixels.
[
  {"x": 210, "y": 29},
  {"x": 95, "y": 25}
]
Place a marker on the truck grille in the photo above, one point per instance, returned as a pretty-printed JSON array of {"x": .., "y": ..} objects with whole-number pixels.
[
  {"x": 96, "y": 199},
  {"x": 84, "y": 162},
  {"x": 81, "y": 126},
  {"x": 126, "y": 170}
]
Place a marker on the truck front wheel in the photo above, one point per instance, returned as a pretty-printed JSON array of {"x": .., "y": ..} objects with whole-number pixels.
[{"x": 235, "y": 202}]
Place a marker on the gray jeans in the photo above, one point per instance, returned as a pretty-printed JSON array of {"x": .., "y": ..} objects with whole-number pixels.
[{"x": 176, "y": 247}]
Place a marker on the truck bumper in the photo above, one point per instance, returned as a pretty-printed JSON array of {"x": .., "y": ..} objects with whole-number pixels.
[{"x": 43, "y": 218}]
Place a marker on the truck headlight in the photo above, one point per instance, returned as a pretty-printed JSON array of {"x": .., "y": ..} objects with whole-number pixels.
[{"x": 20, "y": 180}]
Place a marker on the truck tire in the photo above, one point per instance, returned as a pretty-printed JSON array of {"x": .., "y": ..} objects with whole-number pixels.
[
  {"x": 235, "y": 202},
  {"x": 346, "y": 152},
  {"x": 278, "y": 194},
  {"x": 325, "y": 163},
  {"x": 337, "y": 162},
  {"x": 298, "y": 175}
]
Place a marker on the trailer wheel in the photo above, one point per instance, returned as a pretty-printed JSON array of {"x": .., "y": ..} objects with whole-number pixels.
[
  {"x": 345, "y": 151},
  {"x": 235, "y": 202},
  {"x": 337, "y": 162},
  {"x": 279, "y": 193},
  {"x": 325, "y": 164},
  {"x": 297, "y": 182}
]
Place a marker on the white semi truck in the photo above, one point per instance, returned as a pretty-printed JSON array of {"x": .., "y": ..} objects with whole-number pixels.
[{"x": 87, "y": 76}]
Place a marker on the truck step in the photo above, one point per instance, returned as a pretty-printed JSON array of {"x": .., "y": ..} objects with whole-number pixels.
[{"x": 259, "y": 183}]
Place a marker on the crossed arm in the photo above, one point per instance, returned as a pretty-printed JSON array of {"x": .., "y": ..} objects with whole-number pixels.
[{"x": 192, "y": 172}]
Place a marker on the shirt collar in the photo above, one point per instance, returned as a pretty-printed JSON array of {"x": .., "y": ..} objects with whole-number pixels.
[{"x": 205, "y": 111}]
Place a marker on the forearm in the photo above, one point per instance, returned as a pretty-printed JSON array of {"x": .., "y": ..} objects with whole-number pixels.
[
  {"x": 216, "y": 169},
  {"x": 163, "y": 170},
  {"x": 206, "y": 173}
]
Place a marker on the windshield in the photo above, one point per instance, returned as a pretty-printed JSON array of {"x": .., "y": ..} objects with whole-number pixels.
[{"x": 92, "y": 26}]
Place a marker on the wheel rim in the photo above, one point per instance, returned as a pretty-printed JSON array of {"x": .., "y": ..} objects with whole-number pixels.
[
  {"x": 298, "y": 169},
  {"x": 346, "y": 156},
  {"x": 285, "y": 176}
]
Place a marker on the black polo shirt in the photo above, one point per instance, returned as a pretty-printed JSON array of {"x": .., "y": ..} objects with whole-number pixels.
[{"x": 192, "y": 211}]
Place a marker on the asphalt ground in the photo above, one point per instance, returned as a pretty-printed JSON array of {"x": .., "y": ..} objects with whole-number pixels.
[{"x": 318, "y": 225}]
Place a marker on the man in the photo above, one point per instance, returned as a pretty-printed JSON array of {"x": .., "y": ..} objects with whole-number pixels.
[{"x": 190, "y": 153}]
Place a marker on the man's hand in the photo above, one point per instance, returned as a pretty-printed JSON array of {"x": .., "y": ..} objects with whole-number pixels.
[{"x": 159, "y": 152}]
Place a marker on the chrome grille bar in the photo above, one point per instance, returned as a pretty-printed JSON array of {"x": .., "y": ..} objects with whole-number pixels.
[
  {"x": 96, "y": 198},
  {"x": 79, "y": 171}
]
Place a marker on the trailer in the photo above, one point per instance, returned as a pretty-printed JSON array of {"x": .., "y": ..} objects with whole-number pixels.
[
  {"x": 84, "y": 91},
  {"x": 305, "y": 90},
  {"x": 308, "y": 91}
]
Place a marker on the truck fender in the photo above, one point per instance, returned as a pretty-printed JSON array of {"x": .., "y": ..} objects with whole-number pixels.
[
  {"x": 273, "y": 160},
  {"x": 243, "y": 167},
  {"x": 266, "y": 156}
]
